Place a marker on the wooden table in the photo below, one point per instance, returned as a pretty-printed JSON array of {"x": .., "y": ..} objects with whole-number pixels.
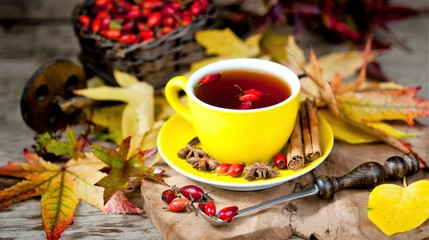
[{"x": 36, "y": 31}]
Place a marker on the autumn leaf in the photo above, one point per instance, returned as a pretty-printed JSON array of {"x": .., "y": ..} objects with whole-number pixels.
[
  {"x": 348, "y": 133},
  {"x": 122, "y": 168},
  {"x": 394, "y": 209},
  {"x": 61, "y": 187},
  {"x": 137, "y": 116},
  {"x": 225, "y": 43},
  {"x": 283, "y": 49},
  {"x": 360, "y": 80},
  {"x": 72, "y": 147},
  {"x": 365, "y": 109},
  {"x": 120, "y": 204},
  {"x": 384, "y": 104},
  {"x": 315, "y": 73},
  {"x": 110, "y": 117}
]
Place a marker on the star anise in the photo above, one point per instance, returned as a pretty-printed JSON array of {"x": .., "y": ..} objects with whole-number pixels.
[
  {"x": 260, "y": 170},
  {"x": 203, "y": 163},
  {"x": 195, "y": 156}
]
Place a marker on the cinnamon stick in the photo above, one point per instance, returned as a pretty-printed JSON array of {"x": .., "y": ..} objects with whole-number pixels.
[
  {"x": 294, "y": 151},
  {"x": 310, "y": 130}
]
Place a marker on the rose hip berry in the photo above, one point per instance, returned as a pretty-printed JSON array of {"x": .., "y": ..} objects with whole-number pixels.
[
  {"x": 280, "y": 161},
  {"x": 131, "y": 16},
  {"x": 248, "y": 98},
  {"x": 245, "y": 105},
  {"x": 178, "y": 205},
  {"x": 209, "y": 78},
  {"x": 254, "y": 92},
  {"x": 222, "y": 168},
  {"x": 193, "y": 193},
  {"x": 202, "y": 206},
  {"x": 85, "y": 21},
  {"x": 168, "y": 195},
  {"x": 111, "y": 33},
  {"x": 154, "y": 19},
  {"x": 236, "y": 169},
  {"x": 127, "y": 38},
  {"x": 196, "y": 8},
  {"x": 228, "y": 213},
  {"x": 210, "y": 209}
]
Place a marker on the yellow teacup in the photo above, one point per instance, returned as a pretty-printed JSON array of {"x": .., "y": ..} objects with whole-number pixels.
[{"x": 236, "y": 135}]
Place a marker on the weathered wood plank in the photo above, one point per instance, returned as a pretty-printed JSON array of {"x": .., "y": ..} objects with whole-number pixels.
[{"x": 37, "y": 9}]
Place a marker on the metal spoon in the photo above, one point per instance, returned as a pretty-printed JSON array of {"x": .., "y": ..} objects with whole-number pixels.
[
  {"x": 366, "y": 175},
  {"x": 219, "y": 222}
]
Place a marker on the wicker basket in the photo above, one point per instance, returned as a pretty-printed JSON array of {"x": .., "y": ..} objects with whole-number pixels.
[{"x": 154, "y": 62}]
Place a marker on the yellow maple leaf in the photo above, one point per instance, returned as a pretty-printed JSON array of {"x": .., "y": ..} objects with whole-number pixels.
[{"x": 394, "y": 209}]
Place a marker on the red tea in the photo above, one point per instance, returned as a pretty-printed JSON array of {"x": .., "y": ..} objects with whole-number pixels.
[{"x": 241, "y": 89}]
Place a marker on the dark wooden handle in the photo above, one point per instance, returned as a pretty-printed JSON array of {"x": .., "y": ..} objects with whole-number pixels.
[{"x": 368, "y": 175}]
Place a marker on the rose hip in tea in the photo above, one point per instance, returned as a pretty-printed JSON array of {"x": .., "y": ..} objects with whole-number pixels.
[{"x": 241, "y": 89}]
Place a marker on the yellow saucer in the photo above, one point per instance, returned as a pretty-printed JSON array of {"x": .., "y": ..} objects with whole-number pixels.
[{"x": 177, "y": 132}]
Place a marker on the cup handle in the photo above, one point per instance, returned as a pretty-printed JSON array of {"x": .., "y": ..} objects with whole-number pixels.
[{"x": 172, "y": 89}]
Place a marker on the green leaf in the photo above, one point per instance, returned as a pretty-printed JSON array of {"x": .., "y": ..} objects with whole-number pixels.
[
  {"x": 70, "y": 147},
  {"x": 121, "y": 168},
  {"x": 114, "y": 24}
]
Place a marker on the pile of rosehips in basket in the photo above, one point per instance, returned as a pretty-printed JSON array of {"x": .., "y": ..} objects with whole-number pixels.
[
  {"x": 136, "y": 21},
  {"x": 183, "y": 198}
]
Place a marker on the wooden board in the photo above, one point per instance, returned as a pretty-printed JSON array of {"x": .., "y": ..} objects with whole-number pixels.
[{"x": 343, "y": 217}]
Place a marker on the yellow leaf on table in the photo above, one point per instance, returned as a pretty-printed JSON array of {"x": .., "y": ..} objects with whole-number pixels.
[
  {"x": 394, "y": 209},
  {"x": 252, "y": 44},
  {"x": 226, "y": 43},
  {"x": 283, "y": 49},
  {"x": 124, "y": 79},
  {"x": 297, "y": 56},
  {"x": 111, "y": 118},
  {"x": 345, "y": 63},
  {"x": 137, "y": 116},
  {"x": 354, "y": 135}
]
